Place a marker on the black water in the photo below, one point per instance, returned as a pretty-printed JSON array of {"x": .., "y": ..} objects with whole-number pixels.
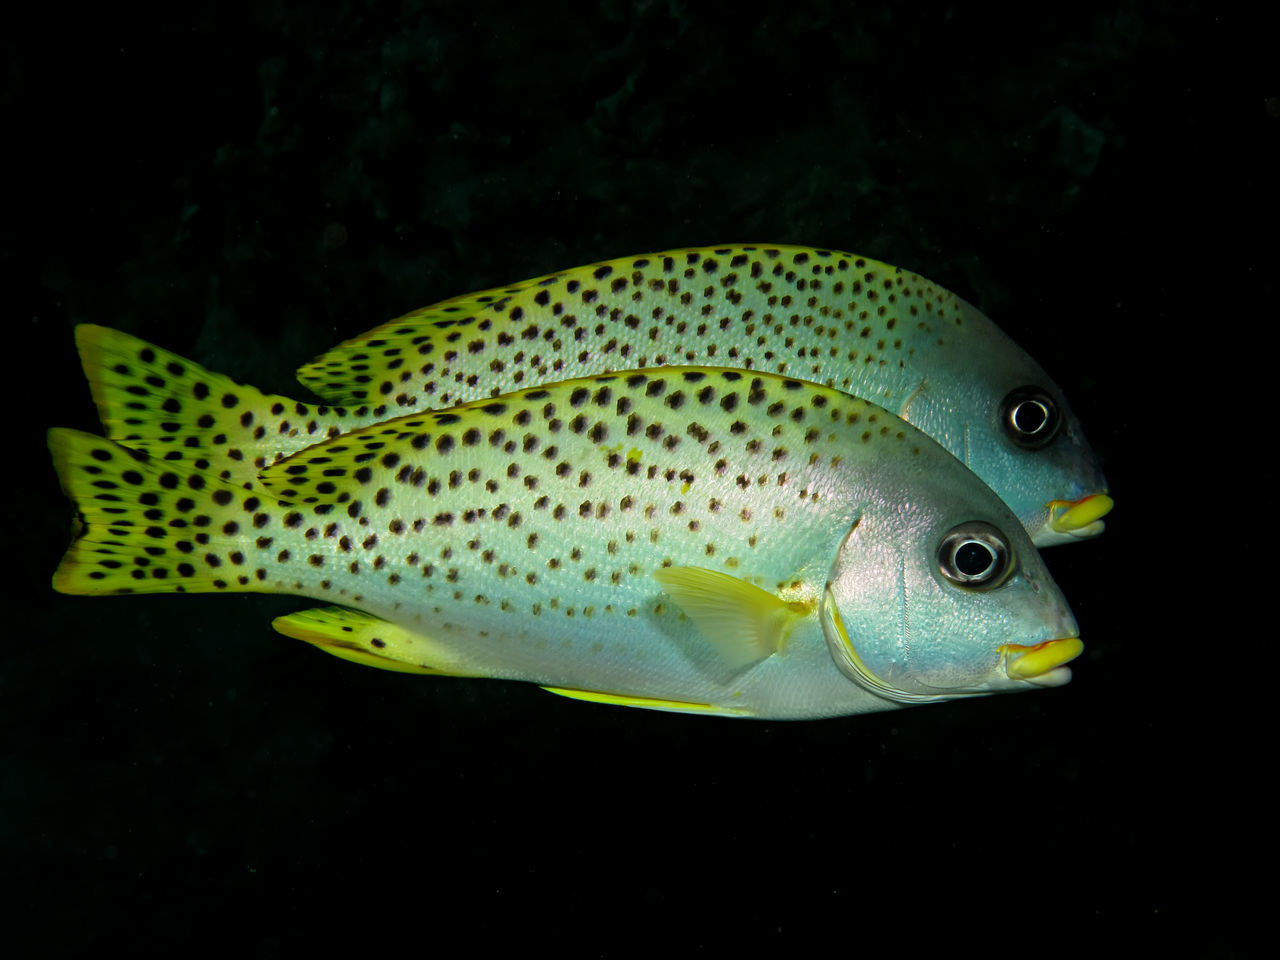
[{"x": 246, "y": 185}]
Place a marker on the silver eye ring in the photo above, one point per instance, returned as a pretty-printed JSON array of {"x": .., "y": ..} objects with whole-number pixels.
[
  {"x": 975, "y": 555},
  {"x": 1029, "y": 417}
]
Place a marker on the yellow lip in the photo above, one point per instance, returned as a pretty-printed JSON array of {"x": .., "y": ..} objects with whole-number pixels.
[
  {"x": 1073, "y": 516},
  {"x": 1040, "y": 663}
]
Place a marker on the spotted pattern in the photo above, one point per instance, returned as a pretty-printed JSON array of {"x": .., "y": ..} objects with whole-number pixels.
[
  {"x": 557, "y": 501},
  {"x": 172, "y": 409},
  {"x": 150, "y": 525},
  {"x": 519, "y": 536},
  {"x": 561, "y": 501},
  {"x": 821, "y": 315}
]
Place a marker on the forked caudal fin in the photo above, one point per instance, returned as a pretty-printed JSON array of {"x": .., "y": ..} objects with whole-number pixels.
[
  {"x": 153, "y": 526},
  {"x": 172, "y": 408}
]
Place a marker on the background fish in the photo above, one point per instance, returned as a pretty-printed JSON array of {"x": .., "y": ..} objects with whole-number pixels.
[
  {"x": 834, "y": 318},
  {"x": 694, "y": 539},
  {"x": 863, "y": 327}
]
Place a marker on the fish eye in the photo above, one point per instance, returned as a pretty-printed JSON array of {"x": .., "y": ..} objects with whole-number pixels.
[
  {"x": 1029, "y": 417},
  {"x": 975, "y": 555}
]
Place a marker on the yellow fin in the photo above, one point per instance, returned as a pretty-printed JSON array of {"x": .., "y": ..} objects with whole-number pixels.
[
  {"x": 743, "y": 622},
  {"x": 372, "y": 641},
  {"x": 647, "y": 703},
  {"x": 171, "y": 408},
  {"x": 152, "y": 525}
]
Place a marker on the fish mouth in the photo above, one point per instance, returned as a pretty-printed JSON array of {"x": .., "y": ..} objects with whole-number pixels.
[
  {"x": 1042, "y": 663},
  {"x": 1080, "y": 518}
]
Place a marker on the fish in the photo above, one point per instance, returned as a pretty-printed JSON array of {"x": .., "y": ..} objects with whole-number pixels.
[
  {"x": 685, "y": 538},
  {"x": 834, "y": 318},
  {"x": 848, "y": 322}
]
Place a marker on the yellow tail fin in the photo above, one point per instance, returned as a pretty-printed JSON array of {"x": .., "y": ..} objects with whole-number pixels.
[
  {"x": 150, "y": 525},
  {"x": 169, "y": 407}
]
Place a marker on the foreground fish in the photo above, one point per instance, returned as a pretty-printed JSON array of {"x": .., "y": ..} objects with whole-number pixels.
[
  {"x": 690, "y": 538},
  {"x": 858, "y": 325}
]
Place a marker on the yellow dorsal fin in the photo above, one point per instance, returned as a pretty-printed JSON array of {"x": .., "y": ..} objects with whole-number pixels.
[
  {"x": 743, "y": 622},
  {"x": 372, "y": 641}
]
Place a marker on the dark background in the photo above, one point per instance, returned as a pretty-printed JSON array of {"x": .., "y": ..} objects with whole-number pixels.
[{"x": 248, "y": 184}]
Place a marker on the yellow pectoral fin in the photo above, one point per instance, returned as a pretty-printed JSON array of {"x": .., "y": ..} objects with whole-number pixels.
[
  {"x": 361, "y": 638},
  {"x": 743, "y": 622},
  {"x": 647, "y": 703}
]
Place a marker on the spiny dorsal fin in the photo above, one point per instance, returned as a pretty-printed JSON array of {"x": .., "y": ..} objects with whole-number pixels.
[
  {"x": 743, "y": 622},
  {"x": 363, "y": 638}
]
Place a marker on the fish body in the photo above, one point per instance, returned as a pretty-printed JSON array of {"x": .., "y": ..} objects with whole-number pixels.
[
  {"x": 684, "y": 538},
  {"x": 848, "y": 322}
]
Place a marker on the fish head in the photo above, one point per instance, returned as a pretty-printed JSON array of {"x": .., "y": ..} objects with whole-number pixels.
[
  {"x": 996, "y": 410},
  {"x": 931, "y": 599}
]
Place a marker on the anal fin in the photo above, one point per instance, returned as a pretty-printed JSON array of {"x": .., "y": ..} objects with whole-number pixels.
[{"x": 372, "y": 641}]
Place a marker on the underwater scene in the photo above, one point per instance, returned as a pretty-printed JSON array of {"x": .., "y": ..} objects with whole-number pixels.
[{"x": 739, "y": 460}]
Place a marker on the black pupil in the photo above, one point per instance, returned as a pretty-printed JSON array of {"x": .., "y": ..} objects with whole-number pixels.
[
  {"x": 973, "y": 559},
  {"x": 1030, "y": 416}
]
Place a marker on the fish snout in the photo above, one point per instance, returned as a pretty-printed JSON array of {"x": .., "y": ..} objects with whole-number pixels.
[
  {"x": 1080, "y": 518},
  {"x": 1043, "y": 664}
]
